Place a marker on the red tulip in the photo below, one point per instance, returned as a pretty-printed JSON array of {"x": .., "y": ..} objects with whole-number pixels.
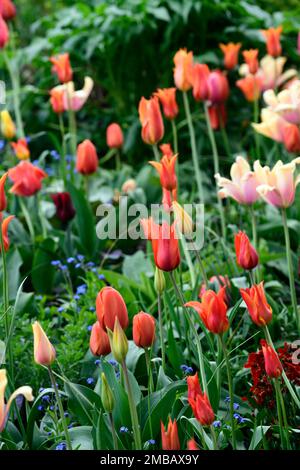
[
  {"x": 4, "y": 33},
  {"x": 27, "y": 179},
  {"x": 143, "y": 330},
  {"x": 272, "y": 36},
  {"x": 199, "y": 402},
  {"x": 251, "y": 59},
  {"x": 259, "y": 309},
  {"x": 64, "y": 207},
  {"x": 212, "y": 310},
  {"x": 166, "y": 169},
  {"x": 21, "y": 149},
  {"x": 183, "y": 70},
  {"x": 99, "y": 341},
  {"x": 169, "y": 437},
  {"x": 109, "y": 306},
  {"x": 114, "y": 136},
  {"x": 291, "y": 138},
  {"x": 200, "y": 82},
  {"x": 7, "y": 10},
  {"x": 2, "y": 192},
  {"x": 87, "y": 159},
  {"x": 62, "y": 67},
  {"x": 151, "y": 120},
  {"x": 193, "y": 386},
  {"x": 192, "y": 445},
  {"x": 218, "y": 282},
  {"x": 4, "y": 226},
  {"x": 272, "y": 363},
  {"x": 167, "y": 97},
  {"x": 166, "y": 149},
  {"x": 231, "y": 53},
  {"x": 217, "y": 116},
  {"x": 57, "y": 100},
  {"x": 246, "y": 255}
]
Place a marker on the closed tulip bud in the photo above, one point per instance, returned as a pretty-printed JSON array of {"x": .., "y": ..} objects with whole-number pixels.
[
  {"x": 129, "y": 186},
  {"x": 2, "y": 192},
  {"x": 27, "y": 179},
  {"x": 200, "y": 82},
  {"x": 8, "y": 128},
  {"x": 4, "y": 33},
  {"x": 251, "y": 59},
  {"x": 183, "y": 70},
  {"x": 62, "y": 67},
  {"x": 218, "y": 87},
  {"x": 166, "y": 149},
  {"x": 167, "y": 97},
  {"x": 231, "y": 53},
  {"x": 4, "y": 226},
  {"x": 272, "y": 36},
  {"x": 7, "y": 10},
  {"x": 87, "y": 159},
  {"x": 44, "y": 352},
  {"x": 246, "y": 255},
  {"x": 107, "y": 397},
  {"x": 182, "y": 219},
  {"x": 99, "y": 341},
  {"x": 194, "y": 388},
  {"x": 143, "y": 330},
  {"x": 192, "y": 445},
  {"x": 291, "y": 138},
  {"x": 118, "y": 342},
  {"x": 21, "y": 149},
  {"x": 109, "y": 306},
  {"x": 272, "y": 363},
  {"x": 64, "y": 208},
  {"x": 217, "y": 116},
  {"x": 151, "y": 120},
  {"x": 114, "y": 136},
  {"x": 202, "y": 409},
  {"x": 259, "y": 309},
  {"x": 57, "y": 100},
  {"x": 159, "y": 281},
  {"x": 169, "y": 436}
]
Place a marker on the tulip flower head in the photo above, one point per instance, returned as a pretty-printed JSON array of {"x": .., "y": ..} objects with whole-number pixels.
[
  {"x": 273, "y": 365},
  {"x": 151, "y": 120},
  {"x": 4, "y": 33},
  {"x": 3, "y": 201},
  {"x": 218, "y": 87},
  {"x": 8, "y": 128},
  {"x": 21, "y": 149},
  {"x": 64, "y": 208},
  {"x": 251, "y": 59},
  {"x": 259, "y": 309},
  {"x": 107, "y": 397},
  {"x": 200, "y": 82},
  {"x": 272, "y": 36},
  {"x": 109, "y": 306},
  {"x": 114, "y": 136},
  {"x": 7, "y": 10},
  {"x": 129, "y": 186},
  {"x": 212, "y": 310},
  {"x": 44, "y": 352},
  {"x": 182, "y": 219},
  {"x": 199, "y": 402},
  {"x": 143, "y": 330},
  {"x": 71, "y": 98},
  {"x": 231, "y": 53},
  {"x": 169, "y": 436},
  {"x": 118, "y": 342},
  {"x": 217, "y": 116},
  {"x": 87, "y": 159},
  {"x": 99, "y": 341},
  {"x": 4, "y": 227},
  {"x": 194, "y": 388},
  {"x": 27, "y": 179},
  {"x": 192, "y": 445},
  {"x": 166, "y": 150},
  {"x": 4, "y": 408},
  {"x": 159, "y": 281},
  {"x": 250, "y": 86},
  {"x": 167, "y": 97},
  {"x": 183, "y": 70},
  {"x": 291, "y": 138},
  {"x": 62, "y": 67},
  {"x": 57, "y": 100},
  {"x": 286, "y": 103},
  {"x": 166, "y": 169},
  {"x": 246, "y": 255},
  {"x": 217, "y": 282}
]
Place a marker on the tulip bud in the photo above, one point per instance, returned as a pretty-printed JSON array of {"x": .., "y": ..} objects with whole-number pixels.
[
  {"x": 4, "y": 226},
  {"x": 231, "y": 52},
  {"x": 4, "y": 33},
  {"x": 151, "y": 120},
  {"x": 167, "y": 97},
  {"x": 272, "y": 36},
  {"x": 99, "y": 341},
  {"x": 200, "y": 82},
  {"x": 129, "y": 186},
  {"x": 183, "y": 69},
  {"x": 169, "y": 436},
  {"x": 159, "y": 281},
  {"x": 21, "y": 149},
  {"x": 107, "y": 397},
  {"x": 166, "y": 149},
  {"x": 251, "y": 59},
  {"x": 8, "y": 128},
  {"x": 272, "y": 363},
  {"x": 87, "y": 160},
  {"x": 109, "y": 306},
  {"x": 114, "y": 136},
  {"x": 57, "y": 100},
  {"x": 192, "y": 445},
  {"x": 246, "y": 254},
  {"x": 143, "y": 330},
  {"x": 62, "y": 67},
  {"x": 2, "y": 192},
  {"x": 291, "y": 138},
  {"x": 64, "y": 208},
  {"x": 44, "y": 352},
  {"x": 118, "y": 342},
  {"x": 7, "y": 10},
  {"x": 182, "y": 219}
]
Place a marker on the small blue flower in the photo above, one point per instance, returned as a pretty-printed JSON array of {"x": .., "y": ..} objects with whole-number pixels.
[
  {"x": 69, "y": 158},
  {"x": 70, "y": 259},
  {"x": 28, "y": 139},
  {"x": 217, "y": 424},
  {"x": 41, "y": 389},
  {"x": 112, "y": 362},
  {"x": 2, "y": 144},
  {"x": 61, "y": 446},
  {"x": 236, "y": 406},
  {"x": 61, "y": 308},
  {"x": 123, "y": 429},
  {"x": 80, "y": 257},
  {"x": 55, "y": 263},
  {"x": 186, "y": 369},
  {"x": 90, "y": 380},
  {"x": 55, "y": 155},
  {"x": 49, "y": 171},
  {"x": 151, "y": 442},
  {"x": 63, "y": 267},
  {"x": 78, "y": 265},
  {"x": 117, "y": 374},
  {"x": 49, "y": 433},
  {"x": 66, "y": 414},
  {"x": 40, "y": 408},
  {"x": 38, "y": 297},
  {"x": 89, "y": 328},
  {"x": 94, "y": 270},
  {"x": 90, "y": 264},
  {"x": 227, "y": 400},
  {"x": 70, "y": 426},
  {"x": 76, "y": 297},
  {"x": 35, "y": 162},
  {"x": 81, "y": 290},
  {"x": 46, "y": 398},
  {"x": 51, "y": 407},
  {"x": 97, "y": 362},
  {"x": 92, "y": 309},
  {"x": 101, "y": 277}
]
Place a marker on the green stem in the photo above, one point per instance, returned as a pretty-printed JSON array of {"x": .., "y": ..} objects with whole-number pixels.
[
  {"x": 202, "y": 270},
  {"x": 175, "y": 136},
  {"x": 73, "y": 136},
  {"x": 225, "y": 137},
  {"x": 156, "y": 152},
  {"x": 193, "y": 146},
  {"x": 113, "y": 431},
  {"x": 63, "y": 162},
  {"x": 290, "y": 267},
  {"x": 41, "y": 217},
  {"x": 118, "y": 160},
  {"x": 150, "y": 387},
  {"x": 27, "y": 218},
  {"x": 230, "y": 389},
  {"x": 281, "y": 426},
  {"x": 214, "y": 437},
  {"x": 60, "y": 408},
  {"x": 188, "y": 260},
  {"x": 161, "y": 335},
  {"x": 285, "y": 422},
  {"x": 133, "y": 412},
  {"x": 14, "y": 77},
  {"x": 256, "y": 134}
]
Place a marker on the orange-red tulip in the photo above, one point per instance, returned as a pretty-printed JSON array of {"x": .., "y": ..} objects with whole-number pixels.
[
  {"x": 212, "y": 310},
  {"x": 193, "y": 386},
  {"x": 166, "y": 149},
  {"x": 192, "y": 445},
  {"x": 166, "y": 169},
  {"x": 183, "y": 70},
  {"x": 151, "y": 120},
  {"x": 44, "y": 352},
  {"x": 99, "y": 341},
  {"x": 4, "y": 33},
  {"x": 251, "y": 87},
  {"x": 218, "y": 282},
  {"x": 231, "y": 54},
  {"x": 109, "y": 306},
  {"x": 167, "y": 97},
  {"x": 169, "y": 437},
  {"x": 143, "y": 330},
  {"x": 246, "y": 255},
  {"x": 114, "y": 136},
  {"x": 199, "y": 402},
  {"x": 7, "y": 10},
  {"x": 251, "y": 59},
  {"x": 62, "y": 67},
  {"x": 57, "y": 100},
  {"x": 291, "y": 138},
  {"x": 217, "y": 116},
  {"x": 259, "y": 309},
  {"x": 272, "y": 363},
  {"x": 27, "y": 179},
  {"x": 272, "y": 36},
  {"x": 2, "y": 192},
  {"x": 4, "y": 226},
  {"x": 200, "y": 82},
  {"x": 21, "y": 149},
  {"x": 87, "y": 159}
]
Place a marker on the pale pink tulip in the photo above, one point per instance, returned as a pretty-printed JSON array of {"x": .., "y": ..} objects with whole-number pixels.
[
  {"x": 74, "y": 99},
  {"x": 286, "y": 103},
  {"x": 272, "y": 125}
]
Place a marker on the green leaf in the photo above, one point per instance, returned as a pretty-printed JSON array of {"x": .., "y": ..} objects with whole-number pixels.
[
  {"x": 42, "y": 274},
  {"x": 81, "y": 438},
  {"x": 257, "y": 436},
  {"x": 82, "y": 401}
]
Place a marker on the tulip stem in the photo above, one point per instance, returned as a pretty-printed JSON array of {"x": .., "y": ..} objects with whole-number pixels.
[
  {"x": 193, "y": 146},
  {"x": 290, "y": 267},
  {"x": 175, "y": 136},
  {"x": 63, "y": 165},
  {"x": 256, "y": 119},
  {"x": 224, "y": 135},
  {"x": 279, "y": 413},
  {"x": 118, "y": 160},
  {"x": 188, "y": 260},
  {"x": 73, "y": 136},
  {"x": 285, "y": 422},
  {"x": 156, "y": 152},
  {"x": 15, "y": 81},
  {"x": 133, "y": 412},
  {"x": 202, "y": 270},
  {"x": 161, "y": 335},
  {"x": 214, "y": 437},
  {"x": 60, "y": 408},
  {"x": 27, "y": 218},
  {"x": 216, "y": 166},
  {"x": 150, "y": 387},
  {"x": 113, "y": 431},
  {"x": 254, "y": 237},
  {"x": 230, "y": 389}
]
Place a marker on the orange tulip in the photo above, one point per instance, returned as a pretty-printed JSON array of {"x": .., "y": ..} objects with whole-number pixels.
[
  {"x": 167, "y": 97},
  {"x": 200, "y": 82},
  {"x": 167, "y": 150},
  {"x": 143, "y": 330},
  {"x": 259, "y": 309},
  {"x": 291, "y": 138},
  {"x": 251, "y": 59},
  {"x": 272, "y": 363},
  {"x": 57, "y": 100},
  {"x": 246, "y": 255},
  {"x": 166, "y": 169},
  {"x": 62, "y": 67},
  {"x": 7, "y": 10},
  {"x": 231, "y": 53},
  {"x": 114, "y": 136},
  {"x": 109, "y": 306},
  {"x": 251, "y": 87},
  {"x": 4, "y": 33},
  {"x": 2, "y": 192},
  {"x": 272, "y": 36},
  {"x": 87, "y": 159},
  {"x": 99, "y": 341},
  {"x": 212, "y": 310},
  {"x": 21, "y": 149},
  {"x": 183, "y": 70},
  {"x": 44, "y": 352},
  {"x": 199, "y": 402},
  {"x": 151, "y": 120},
  {"x": 27, "y": 179},
  {"x": 169, "y": 437},
  {"x": 4, "y": 226}
]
